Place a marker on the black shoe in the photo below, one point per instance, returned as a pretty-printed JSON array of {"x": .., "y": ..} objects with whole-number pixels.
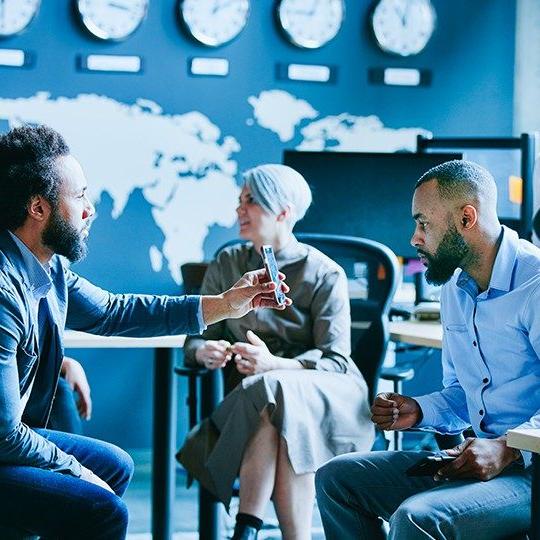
[{"x": 244, "y": 532}]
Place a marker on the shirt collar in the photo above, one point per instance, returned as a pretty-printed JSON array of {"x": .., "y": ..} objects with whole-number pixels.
[
  {"x": 38, "y": 274},
  {"x": 293, "y": 251},
  {"x": 503, "y": 267}
]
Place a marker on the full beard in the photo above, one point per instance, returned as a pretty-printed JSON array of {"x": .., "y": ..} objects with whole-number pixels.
[
  {"x": 63, "y": 239},
  {"x": 450, "y": 254}
]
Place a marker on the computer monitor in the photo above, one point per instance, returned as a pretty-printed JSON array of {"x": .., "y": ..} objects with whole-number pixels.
[
  {"x": 363, "y": 194},
  {"x": 511, "y": 162}
]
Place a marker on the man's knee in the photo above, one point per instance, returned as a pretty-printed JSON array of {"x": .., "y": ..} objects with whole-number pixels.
[
  {"x": 109, "y": 514},
  {"x": 122, "y": 463},
  {"x": 414, "y": 517},
  {"x": 127, "y": 466},
  {"x": 335, "y": 478}
]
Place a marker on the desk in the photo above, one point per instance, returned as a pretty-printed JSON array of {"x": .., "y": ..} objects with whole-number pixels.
[
  {"x": 422, "y": 333},
  {"x": 529, "y": 440},
  {"x": 164, "y": 417}
]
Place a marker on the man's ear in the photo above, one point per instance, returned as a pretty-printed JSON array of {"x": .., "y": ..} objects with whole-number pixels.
[
  {"x": 39, "y": 209},
  {"x": 469, "y": 216}
]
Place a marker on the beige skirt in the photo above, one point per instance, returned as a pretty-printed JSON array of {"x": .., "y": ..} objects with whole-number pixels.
[{"x": 320, "y": 414}]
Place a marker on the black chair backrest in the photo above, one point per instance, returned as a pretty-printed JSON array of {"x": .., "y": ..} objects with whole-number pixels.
[
  {"x": 373, "y": 273},
  {"x": 192, "y": 276}
]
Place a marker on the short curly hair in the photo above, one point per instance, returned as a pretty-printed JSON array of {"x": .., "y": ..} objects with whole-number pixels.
[{"x": 28, "y": 168}]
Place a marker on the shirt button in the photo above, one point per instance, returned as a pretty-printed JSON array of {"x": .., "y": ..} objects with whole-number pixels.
[
  {"x": 474, "y": 343},
  {"x": 481, "y": 412},
  {"x": 485, "y": 380}
]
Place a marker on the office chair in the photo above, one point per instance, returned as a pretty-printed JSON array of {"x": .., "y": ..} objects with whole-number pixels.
[{"x": 373, "y": 272}]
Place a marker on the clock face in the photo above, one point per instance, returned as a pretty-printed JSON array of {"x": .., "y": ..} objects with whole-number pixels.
[
  {"x": 214, "y": 22},
  {"x": 112, "y": 19},
  {"x": 16, "y": 15},
  {"x": 403, "y": 27},
  {"x": 311, "y": 23}
]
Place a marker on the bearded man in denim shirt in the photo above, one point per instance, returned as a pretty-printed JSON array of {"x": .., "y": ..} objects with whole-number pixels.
[
  {"x": 491, "y": 382},
  {"x": 54, "y": 484}
]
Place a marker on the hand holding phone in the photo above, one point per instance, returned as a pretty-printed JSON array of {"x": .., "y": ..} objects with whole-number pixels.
[
  {"x": 270, "y": 264},
  {"x": 429, "y": 465}
]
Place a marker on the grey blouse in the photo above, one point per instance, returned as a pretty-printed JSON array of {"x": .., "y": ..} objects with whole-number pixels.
[{"x": 315, "y": 330}]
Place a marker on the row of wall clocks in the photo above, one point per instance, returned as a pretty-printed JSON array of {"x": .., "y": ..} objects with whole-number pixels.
[{"x": 401, "y": 27}]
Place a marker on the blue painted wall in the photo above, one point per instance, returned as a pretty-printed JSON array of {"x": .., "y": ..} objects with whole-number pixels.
[{"x": 471, "y": 56}]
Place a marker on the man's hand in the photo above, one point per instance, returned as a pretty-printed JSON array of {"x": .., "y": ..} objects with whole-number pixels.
[
  {"x": 481, "y": 459},
  {"x": 75, "y": 376},
  {"x": 252, "y": 290},
  {"x": 214, "y": 354},
  {"x": 253, "y": 357},
  {"x": 394, "y": 412},
  {"x": 89, "y": 476}
]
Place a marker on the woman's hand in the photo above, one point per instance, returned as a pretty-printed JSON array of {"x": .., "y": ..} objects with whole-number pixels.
[
  {"x": 214, "y": 354},
  {"x": 253, "y": 357}
]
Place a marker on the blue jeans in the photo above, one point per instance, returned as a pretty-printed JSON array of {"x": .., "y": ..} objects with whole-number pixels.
[
  {"x": 355, "y": 490},
  {"x": 64, "y": 414},
  {"x": 56, "y": 505}
]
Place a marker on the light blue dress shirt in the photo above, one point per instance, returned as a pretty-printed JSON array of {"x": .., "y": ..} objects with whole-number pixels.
[{"x": 491, "y": 347}]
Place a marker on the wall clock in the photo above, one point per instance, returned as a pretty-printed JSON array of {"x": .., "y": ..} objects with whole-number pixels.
[
  {"x": 112, "y": 19},
  {"x": 16, "y": 15},
  {"x": 310, "y": 23},
  {"x": 214, "y": 22},
  {"x": 403, "y": 27}
]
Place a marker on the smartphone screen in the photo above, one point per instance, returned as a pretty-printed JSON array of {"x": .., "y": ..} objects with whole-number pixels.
[{"x": 267, "y": 253}]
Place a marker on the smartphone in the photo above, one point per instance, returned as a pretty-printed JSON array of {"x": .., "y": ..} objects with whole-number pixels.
[
  {"x": 429, "y": 465},
  {"x": 269, "y": 259}
]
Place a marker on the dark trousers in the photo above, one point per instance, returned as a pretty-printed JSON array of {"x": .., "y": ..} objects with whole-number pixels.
[{"x": 60, "y": 506}]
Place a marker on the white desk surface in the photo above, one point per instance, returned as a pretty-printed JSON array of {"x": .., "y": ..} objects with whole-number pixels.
[
  {"x": 524, "y": 439},
  {"x": 423, "y": 333},
  {"x": 82, "y": 340}
]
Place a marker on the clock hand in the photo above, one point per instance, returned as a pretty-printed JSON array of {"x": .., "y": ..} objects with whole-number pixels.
[
  {"x": 314, "y": 7},
  {"x": 406, "y": 14},
  {"x": 218, "y": 6},
  {"x": 307, "y": 12},
  {"x": 400, "y": 12},
  {"x": 119, "y": 6}
]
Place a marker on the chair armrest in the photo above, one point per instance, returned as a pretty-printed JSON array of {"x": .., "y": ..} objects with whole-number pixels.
[{"x": 397, "y": 373}]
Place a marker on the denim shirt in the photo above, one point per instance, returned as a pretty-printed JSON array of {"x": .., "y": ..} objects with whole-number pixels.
[
  {"x": 491, "y": 347},
  {"x": 74, "y": 303}
]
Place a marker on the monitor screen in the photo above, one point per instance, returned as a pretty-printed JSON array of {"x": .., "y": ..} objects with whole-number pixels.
[
  {"x": 363, "y": 194},
  {"x": 505, "y": 166}
]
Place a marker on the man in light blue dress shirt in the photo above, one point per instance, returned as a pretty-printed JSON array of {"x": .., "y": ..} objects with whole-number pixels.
[
  {"x": 55, "y": 484},
  {"x": 491, "y": 382}
]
